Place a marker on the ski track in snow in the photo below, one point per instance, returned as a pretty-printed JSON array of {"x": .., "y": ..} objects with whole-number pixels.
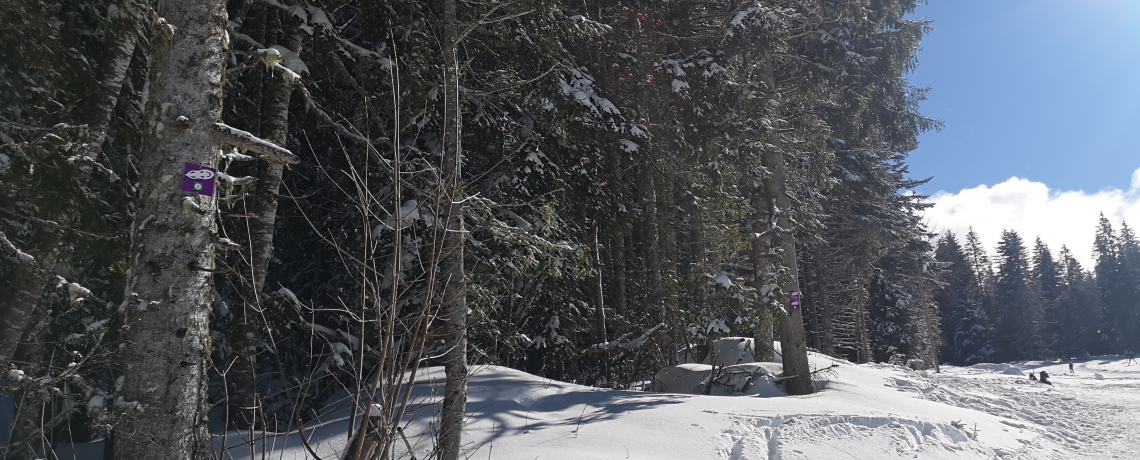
[
  {"x": 1077, "y": 417},
  {"x": 868, "y": 412},
  {"x": 799, "y": 437},
  {"x": 1084, "y": 420}
]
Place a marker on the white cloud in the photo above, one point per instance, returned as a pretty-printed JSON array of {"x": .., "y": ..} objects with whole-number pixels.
[{"x": 1058, "y": 217}]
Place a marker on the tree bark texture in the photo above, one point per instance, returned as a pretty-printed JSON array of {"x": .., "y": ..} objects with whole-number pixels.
[
  {"x": 169, "y": 285},
  {"x": 761, "y": 267},
  {"x": 791, "y": 325},
  {"x": 784, "y": 271},
  {"x": 455, "y": 287}
]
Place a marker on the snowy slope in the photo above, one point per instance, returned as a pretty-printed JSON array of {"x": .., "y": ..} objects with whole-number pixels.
[{"x": 871, "y": 411}]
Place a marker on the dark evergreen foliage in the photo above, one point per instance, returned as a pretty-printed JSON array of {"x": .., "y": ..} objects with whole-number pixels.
[
  {"x": 1017, "y": 317},
  {"x": 614, "y": 157},
  {"x": 890, "y": 315}
]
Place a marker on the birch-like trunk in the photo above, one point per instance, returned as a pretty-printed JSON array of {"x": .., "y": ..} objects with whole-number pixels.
[
  {"x": 275, "y": 115},
  {"x": 169, "y": 285},
  {"x": 455, "y": 287},
  {"x": 600, "y": 296}
]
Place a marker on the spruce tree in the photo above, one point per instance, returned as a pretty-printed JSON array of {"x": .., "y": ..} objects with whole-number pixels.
[
  {"x": 1111, "y": 284},
  {"x": 1045, "y": 275},
  {"x": 967, "y": 329},
  {"x": 1079, "y": 307},
  {"x": 1017, "y": 317},
  {"x": 1129, "y": 273}
]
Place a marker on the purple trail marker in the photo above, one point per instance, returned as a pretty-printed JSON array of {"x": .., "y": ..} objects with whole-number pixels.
[
  {"x": 199, "y": 179},
  {"x": 794, "y": 300}
]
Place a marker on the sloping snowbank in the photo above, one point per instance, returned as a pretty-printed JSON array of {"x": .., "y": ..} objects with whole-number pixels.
[{"x": 872, "y": 411}]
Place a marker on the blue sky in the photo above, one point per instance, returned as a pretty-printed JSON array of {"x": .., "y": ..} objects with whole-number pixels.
[
  {"x": 1045, "y": 90},
  {"x": 1041, "y": 100}
]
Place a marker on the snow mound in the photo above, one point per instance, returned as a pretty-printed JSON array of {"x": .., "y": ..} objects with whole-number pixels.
[
  {"x": 1007, "y": 369},
  {"x": 1098, "y": 376},
  {"x": 867, "y": 411}
]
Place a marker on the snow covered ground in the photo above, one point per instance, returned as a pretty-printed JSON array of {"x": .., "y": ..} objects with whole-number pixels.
[{"x": 872, "y": 411}]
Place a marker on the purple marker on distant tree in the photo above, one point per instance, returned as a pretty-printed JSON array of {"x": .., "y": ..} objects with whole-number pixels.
[
  {"x": 199, "y": 179},
  {"x": 794, "y": 300}
]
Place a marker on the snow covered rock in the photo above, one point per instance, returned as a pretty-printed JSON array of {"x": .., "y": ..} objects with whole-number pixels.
[
  {"x": 732, "y": 350},
  {"x": 750, "y": 379},
  {"x": 726, "y": 351},
  {"x": 1098, "y": 376}
]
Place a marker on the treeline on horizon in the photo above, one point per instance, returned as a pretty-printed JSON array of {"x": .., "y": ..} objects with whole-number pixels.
[
  {"x": 1027, "y": 304},
  {"x": 578, "y": 189}
]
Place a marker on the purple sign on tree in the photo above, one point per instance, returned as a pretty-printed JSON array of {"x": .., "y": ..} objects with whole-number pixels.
[
  {"x": 794, "y": 300},
  {"x": 199, "y": 179}
]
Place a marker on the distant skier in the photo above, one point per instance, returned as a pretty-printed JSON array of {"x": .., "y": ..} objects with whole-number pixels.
[
  {"x": 1071, "y": 371},
  {"x": 1045, "y": 378},
  {"x": 1128, "y": 354}
]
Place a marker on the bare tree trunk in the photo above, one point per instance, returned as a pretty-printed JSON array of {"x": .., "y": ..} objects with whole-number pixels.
[
  {"x": 826, "y": 328},
  {"x": 761, "y": 267},
  {"x": 600, "y": 313},
  {"x": 651, "y": 278},
  {"x": 862, "y": 342},
  {"x": 667, "y": 241},
  {"x": 791, "y": 326},
  {"x": 455, "y": 288},
  {"x": 781, "y": 242},
  {"x": 618, "y": 254},
  {"x": 275, "y": 114},
  {"x": 600, "y": 309},
  {"x": 169, "y": 287},
  {"x": 811, "y": 303}
]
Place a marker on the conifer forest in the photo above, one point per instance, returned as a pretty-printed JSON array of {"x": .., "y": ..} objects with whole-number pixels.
[{"x": 223, "y": 214}]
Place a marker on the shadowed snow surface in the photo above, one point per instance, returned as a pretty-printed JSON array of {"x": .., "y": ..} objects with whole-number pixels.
[{"x": 871, "y": 411}]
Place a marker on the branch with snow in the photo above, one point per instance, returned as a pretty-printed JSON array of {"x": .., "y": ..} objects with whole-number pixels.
[
  {"x": 624, "y": 343},
  {"x": 22, "y": 256},
  {"x": 247, "y": 141},
  {"x": 231, "y": 180}
]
